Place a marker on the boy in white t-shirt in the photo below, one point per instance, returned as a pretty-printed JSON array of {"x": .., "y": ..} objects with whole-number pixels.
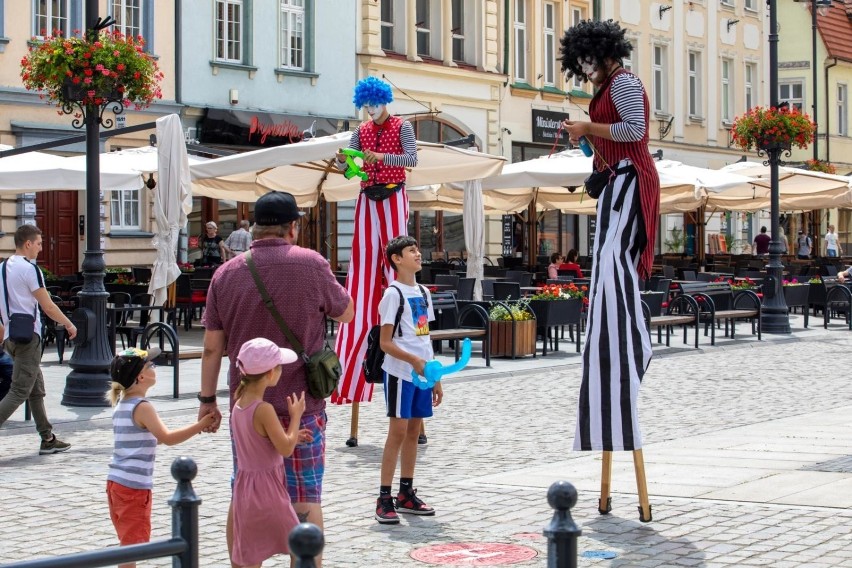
[{"x": 409, "y": 347}]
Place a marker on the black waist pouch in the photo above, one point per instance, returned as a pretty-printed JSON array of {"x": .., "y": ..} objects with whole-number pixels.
[
  {"x": 381, "y": 191},
  {"x": 597, "y": 182}
]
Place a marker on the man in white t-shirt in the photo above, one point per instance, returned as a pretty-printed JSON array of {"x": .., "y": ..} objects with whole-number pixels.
[
  {"x": 832, "y": 243},
  {"x": 22, "y": 286}
]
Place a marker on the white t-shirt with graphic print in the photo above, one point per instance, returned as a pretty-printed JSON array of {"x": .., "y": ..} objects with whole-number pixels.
[{"x": 416, "y": 315}]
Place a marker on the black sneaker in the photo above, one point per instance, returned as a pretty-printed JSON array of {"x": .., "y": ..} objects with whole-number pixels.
[
  {"x": 421, "y": 439},
  {"x": 54, "y": 446},
  {"x": 385, "y": 511},
  {"x": 412, "y": 504}
]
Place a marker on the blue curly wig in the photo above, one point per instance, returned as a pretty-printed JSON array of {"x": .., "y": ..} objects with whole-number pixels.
[{"x": 372, "y": 91}]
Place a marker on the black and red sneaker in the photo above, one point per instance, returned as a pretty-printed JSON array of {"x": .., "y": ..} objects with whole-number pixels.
[
  {"x": 385, "y": 511},
  {"x": 409, "y": 502}
]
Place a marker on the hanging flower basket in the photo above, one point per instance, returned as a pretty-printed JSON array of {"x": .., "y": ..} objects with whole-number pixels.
[
  {"x": 114, "y": 67},
  {"x": 773, "y": 128}
]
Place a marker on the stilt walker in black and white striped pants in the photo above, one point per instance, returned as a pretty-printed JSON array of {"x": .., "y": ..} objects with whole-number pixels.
[{"x": 618, "y": 346}]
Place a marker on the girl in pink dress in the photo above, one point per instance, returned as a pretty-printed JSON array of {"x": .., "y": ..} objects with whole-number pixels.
[{"x": 261, "y": 513}]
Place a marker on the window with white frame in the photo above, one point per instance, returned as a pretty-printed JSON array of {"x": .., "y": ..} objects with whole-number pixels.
[
  {"x": 229, "y": 29},
  {"x": 751, "y": 5},
  {"x": 520, "y": 28},
  {"x": 660, "y": 72},
  {"x": 842, "y": 110},
  {"x": 293, "y": 34},
  {"x": 128, "y": 17},
  {"x": 124, "y": 209},
  {"x": 549, "y": 40},
  {"x": 729, "y": 3},
  {"x": 423, "y": 27},
  {"x": 727, "y": 90},
  {"x": 50, "y": 15},
  {"x": 458, "y": 29},
  {"x": 750, "y": 78},
  {"x": 576, "y": 18},
  {"x": 694, "y": 83},
  {"x": 386, "y": 22},
  {"x": 792, "y": 92}
]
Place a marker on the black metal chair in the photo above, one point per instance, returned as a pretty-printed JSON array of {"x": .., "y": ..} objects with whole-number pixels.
[
  {"x": 522, "y": 277},
  {"x": 487, "y": 288},
  {"x": 464, "y": 289},
  {"x": 507, "y": 291},
  {"x": 187, "y": 300},
  {"x": 132, "y": 329},
  {"x": 448, "y": 280}
]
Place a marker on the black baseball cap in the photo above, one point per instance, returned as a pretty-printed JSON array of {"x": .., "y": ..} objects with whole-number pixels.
[
  {"x": 128, "y": 364},
  {"x": 276, "y": 208}
]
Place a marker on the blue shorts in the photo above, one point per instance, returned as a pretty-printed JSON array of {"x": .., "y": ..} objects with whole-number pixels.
[
  {"x": 304, "y": 469},
  {"x": 404, "y": 400}
]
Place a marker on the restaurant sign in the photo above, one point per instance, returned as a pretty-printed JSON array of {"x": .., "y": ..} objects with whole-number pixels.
[
  {"x": 546, "y": 124},
  {"x": 262, "y": 129}
]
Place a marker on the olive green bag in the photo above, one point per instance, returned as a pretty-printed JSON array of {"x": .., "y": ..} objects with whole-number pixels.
[{"x": 323, "y": 367}]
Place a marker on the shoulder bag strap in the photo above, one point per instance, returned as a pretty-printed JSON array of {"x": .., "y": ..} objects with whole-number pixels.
[
  {"x": 399, "y": 312},
  {"x": 6, "y": 290},
  {"x": 267, "y": 301}
]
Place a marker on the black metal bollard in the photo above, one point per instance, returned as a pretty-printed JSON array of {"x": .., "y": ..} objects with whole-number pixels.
[
  {"x": 184, "y": 505},
  {"x": 562, "y": 532},
  {"x": 306, "y": 543}
]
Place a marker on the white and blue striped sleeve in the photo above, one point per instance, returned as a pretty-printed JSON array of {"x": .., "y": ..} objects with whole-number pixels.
[
  {"x": 628, "y": 97},
  {"x": 408, "y": 158}
]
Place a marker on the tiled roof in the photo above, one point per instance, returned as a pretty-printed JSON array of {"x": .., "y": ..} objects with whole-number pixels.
[{"x": 835, "y": 28}]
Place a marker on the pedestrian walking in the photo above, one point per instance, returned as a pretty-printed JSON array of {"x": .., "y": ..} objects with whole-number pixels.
[
  {"x": 23, "y": 294},
  {"x": 832, "y": 244},
  {"x": 262, "y": 513},
  {"x": 303, "y": 291},
  {"x": 804, "y": 245},
  {"x": 761, "y": 243},
  {"x": 406, "y": 349},
  {"x": 618, "y": 347},
  {"x": 238, "y": 242},
  {"x": 137, "y": 429}
]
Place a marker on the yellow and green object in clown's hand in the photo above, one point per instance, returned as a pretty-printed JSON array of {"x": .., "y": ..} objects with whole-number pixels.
[{"x": 353, "y": 169}]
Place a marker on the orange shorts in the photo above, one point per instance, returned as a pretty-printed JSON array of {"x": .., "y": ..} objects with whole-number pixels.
[{"x": 130, "y": 511}]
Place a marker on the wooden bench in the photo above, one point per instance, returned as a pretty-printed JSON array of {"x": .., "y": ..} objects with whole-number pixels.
[
  {"x": 718, "y": 302},
  {"x": 467, "y": 328},
  {"x": 681, "y": 310}
]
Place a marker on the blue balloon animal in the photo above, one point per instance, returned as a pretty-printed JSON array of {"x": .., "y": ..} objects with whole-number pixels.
[{"x": 434, "y": 371}]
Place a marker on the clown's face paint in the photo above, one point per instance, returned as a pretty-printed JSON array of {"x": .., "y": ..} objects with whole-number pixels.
[
  {"x": 589, "y": 68},
  {"x": 375, "y": 111}
]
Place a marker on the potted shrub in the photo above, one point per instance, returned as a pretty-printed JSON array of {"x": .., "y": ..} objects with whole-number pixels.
[
  {"x": 94, "y": 70},
  {"x": 557, "y": 305},
  {"x": 796, "y": 295},
  {"x": 512, "y": 321},
  {"x": 771, "y": 128}
]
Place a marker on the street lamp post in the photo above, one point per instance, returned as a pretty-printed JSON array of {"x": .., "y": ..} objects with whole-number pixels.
[
  {"x": 89, "y": 379},
  {"x": 774, "y": 315}
]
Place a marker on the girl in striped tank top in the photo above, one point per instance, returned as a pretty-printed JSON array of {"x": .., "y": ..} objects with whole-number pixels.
[{"x": 137, "y": 429}]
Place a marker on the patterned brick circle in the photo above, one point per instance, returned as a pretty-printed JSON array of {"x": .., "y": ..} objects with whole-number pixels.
[{"x": 473, "y": 554}]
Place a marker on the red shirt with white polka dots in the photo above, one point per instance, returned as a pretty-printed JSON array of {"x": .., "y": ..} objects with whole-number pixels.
[{"x": 385, "y": 139}]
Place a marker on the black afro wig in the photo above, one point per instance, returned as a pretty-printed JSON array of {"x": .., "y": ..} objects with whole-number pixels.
[{"x": 595, "y": 40}]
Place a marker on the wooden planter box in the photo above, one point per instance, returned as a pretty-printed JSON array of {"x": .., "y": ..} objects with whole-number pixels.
[{"x": 501, "y": 338}]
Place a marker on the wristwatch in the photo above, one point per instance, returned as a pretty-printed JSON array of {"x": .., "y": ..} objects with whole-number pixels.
[{"x": 206, "y": 399}]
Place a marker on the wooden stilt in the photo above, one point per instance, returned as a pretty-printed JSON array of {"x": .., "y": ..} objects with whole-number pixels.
[
  {"x": 353, "y": 427},
  {"x": 642, "y": 487},
  {"x": 605, "y": 504}
]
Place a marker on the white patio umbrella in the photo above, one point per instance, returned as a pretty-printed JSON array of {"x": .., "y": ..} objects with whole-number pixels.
[
  {"x": 306, "y": 170},
  {"x": 474, "y": 234},
  {"x": 799, "y": 190},
  {"x": 172, "y": 203},
  {"x": 144, "y": 159},
  {"x": 38, "y": 171}
]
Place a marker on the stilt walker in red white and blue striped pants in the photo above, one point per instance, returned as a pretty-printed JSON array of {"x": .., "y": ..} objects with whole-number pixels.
[{"x": 381, "y": 214}]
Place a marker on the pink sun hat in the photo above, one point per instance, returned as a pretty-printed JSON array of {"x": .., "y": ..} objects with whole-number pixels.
[{"x": 259, "y": 355}]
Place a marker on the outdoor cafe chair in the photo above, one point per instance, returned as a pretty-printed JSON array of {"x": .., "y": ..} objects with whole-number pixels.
[
  {"x": 522, "y": 277},
  {"x": 487, "y": 288},
  {"x": 464, "y": 289},
  {"x": 507, "y": 291},
  {"x": 187, "y": 300},
  {"x": 447, "y": 280},
  {"x": 132, "y": 330}
]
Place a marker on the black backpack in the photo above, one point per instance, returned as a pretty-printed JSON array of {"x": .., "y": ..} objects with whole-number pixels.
[{"x": 374, "y": 357}]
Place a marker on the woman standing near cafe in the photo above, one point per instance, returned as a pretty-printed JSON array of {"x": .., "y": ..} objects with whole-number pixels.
[
  {"x": 212, "y": 246},
  {"x": 618, "y": 347}
]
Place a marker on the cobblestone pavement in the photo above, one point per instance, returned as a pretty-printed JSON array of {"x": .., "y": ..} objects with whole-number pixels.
[{"x": 488, "y": 425}]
